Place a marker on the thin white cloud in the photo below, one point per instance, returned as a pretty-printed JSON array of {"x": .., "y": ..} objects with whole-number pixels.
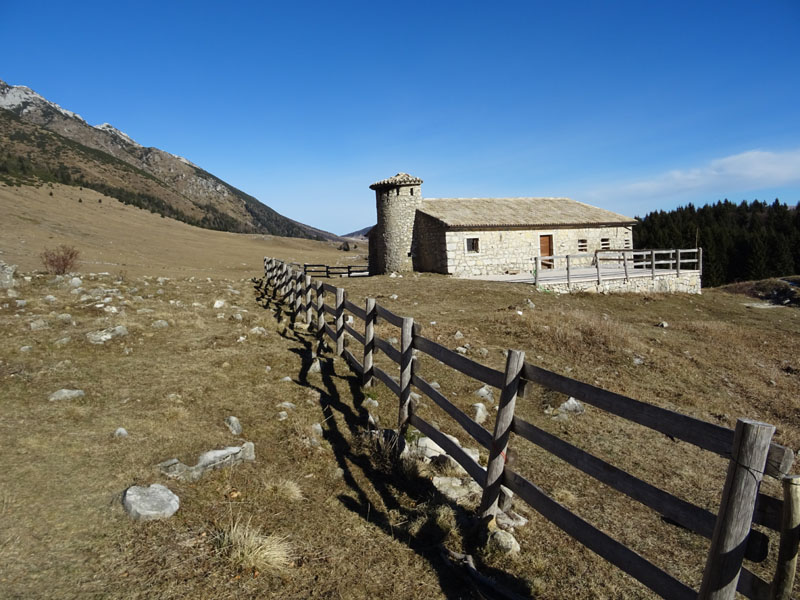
[{"x": 722, "y": 177}]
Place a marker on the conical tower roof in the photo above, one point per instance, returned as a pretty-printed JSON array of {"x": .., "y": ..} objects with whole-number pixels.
[{"x": 397, "y": 180}]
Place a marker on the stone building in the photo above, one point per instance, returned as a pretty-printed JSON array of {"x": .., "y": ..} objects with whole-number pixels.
[{"x": 483, "y": 236}]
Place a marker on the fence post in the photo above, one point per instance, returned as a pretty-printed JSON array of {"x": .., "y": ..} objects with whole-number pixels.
[
  {"x": 502, "y": 429},
  {"x": 536, "y": 268},
  {"x": 700, "y": 263},
  {"x": 369, "y": 341},
  {"x": 406, "y": 352},
  {"x": 678, "y": 268},
  {"x": 568, "y": 277},
  {"x": 339, "y": 321},
  {"x": 597, "y": 266},
  {"x": 309, "y": 317},
  {"x": 320, "y": 317},
  {"x": 653, "y": 264},
  {"x": 746, "y": 468},
  {"x": 625, "y": 264},
  {"x": 790, "y": 540},
  {"x": 300, "y": 294}
]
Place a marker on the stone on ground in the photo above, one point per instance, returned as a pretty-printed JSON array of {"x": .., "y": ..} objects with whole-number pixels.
[
  {"x": 75, "y": 282},
  {"x": 104, "y": 335},
  {"x": 150, "y": 503},
  {"x": 65, "y": 394},
  {"x": 485, "y": 393},
  {"x": 315, "y": 366},
  {"x": 572, "y": 406},
  {"x": 258, "y": 331},
  {"x": 234, "y": 425},
  {"x": 457, "y": 490},
  {"x": 38, "y": 325},
  {"x": 481, "y": 414},
  {"x": 213, "y": 459},
  {"x": 7, "y": 275},
  {"x": 160, "y": 324},
  {"x": 504, "y": 542},
  {"x": 121, "y": 432}
]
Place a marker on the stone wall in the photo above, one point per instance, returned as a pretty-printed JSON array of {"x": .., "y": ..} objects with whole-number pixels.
[
  {"x": 429, "y": 248},
  {"x": 503, "y": 251},
  {"x": 687, "y": 282}
]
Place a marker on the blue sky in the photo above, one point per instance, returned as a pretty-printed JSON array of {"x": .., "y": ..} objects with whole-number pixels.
[{"x": 633, "y": 106}]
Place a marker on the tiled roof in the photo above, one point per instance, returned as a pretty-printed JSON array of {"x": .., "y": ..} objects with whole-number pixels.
[
  {"x": 519, "y": 212},
  {"x": 399, "y": 179}
]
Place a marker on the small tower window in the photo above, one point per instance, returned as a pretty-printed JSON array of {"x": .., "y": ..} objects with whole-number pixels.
[
  {"x": 412, "y": 191},
  {"x": 583, "y": 245},
  {"x": 472, "y": 245},
  {"x": 605, "y": 243}
]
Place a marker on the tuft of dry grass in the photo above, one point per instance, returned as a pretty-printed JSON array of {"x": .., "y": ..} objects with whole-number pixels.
[
  {"x": 245, "y": 546},
  {"x": 286, "y": 489}
]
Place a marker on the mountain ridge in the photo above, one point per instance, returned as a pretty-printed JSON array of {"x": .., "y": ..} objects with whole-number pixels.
[{"x": 188, "y": 192}]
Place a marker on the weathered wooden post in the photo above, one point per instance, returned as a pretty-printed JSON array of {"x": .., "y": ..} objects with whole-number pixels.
[
  {"x": 625, "y": 264},
  {"x": 746, "y": 468},
  {"x": 406, "y": 355},
  {"x": 369, "y": 341},
  {"x": 502, "y": 429},
  {"x": 700, "y": 263},
  {"x": 597, "y": 266},
  {"x": 300, "y": 295},
  {"x": 320, "y": 317},
  {"x": 568, "y": 276},
  {"x": 653, "y": 264},
  {"x": 678, "y": 267},
  {"x": 309, "y": 311},
  {"x": 339, "y": 324},
  {"x": 785, "y": 570},
  {"x": 536, "y": 268}
]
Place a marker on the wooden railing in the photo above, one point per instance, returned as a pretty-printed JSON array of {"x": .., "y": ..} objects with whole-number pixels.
[
  {"x": 749, "y": 447},
  {"x": 336, "y": 271},
  {"x": 628, "y": 263}
]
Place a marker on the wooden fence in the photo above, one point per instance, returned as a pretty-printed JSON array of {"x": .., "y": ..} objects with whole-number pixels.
[
  {"x": 749, "y": 448},
  {"x": 622, "y": 263},
  {"x": 336, "y": 271}
]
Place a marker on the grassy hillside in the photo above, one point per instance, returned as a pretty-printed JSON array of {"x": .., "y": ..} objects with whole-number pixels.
[{"x": 355, "y": 527}]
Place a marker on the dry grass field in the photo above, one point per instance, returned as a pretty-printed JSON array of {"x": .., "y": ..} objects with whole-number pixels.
[{"x": 327, "y": 516}]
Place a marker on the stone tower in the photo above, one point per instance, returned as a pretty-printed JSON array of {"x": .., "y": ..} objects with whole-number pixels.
[{"x": 390, "y": 242}]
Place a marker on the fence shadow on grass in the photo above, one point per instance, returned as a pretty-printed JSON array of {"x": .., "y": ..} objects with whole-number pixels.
[{"x": 401, "y": 491}]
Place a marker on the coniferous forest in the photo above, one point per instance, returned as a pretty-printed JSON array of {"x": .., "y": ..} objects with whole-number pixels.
[{"x": 740, "y": 242}]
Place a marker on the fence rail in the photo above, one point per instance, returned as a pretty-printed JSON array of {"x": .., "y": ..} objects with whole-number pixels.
[
  {"x": 749, "y": 448},
  {"x": 336, "y": 270}
]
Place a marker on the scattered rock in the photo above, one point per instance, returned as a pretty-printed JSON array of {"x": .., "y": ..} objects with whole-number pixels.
[
  {"x": 461, "y": 350},
  {"x": 435, "y": 385},
  {"x": 234, "y": 425},
  {"x": 458, "y": 335},
  {"x": 21, "y": 303},
  {"x": 316, "y": 429},
  {"x": 237, "y": 317},
  {"x": 287, "y": 405},
  {"x": 121, "y": 432},
  {"x": 75, "y": 282},
  {"x": 65, "y": 394},
  {"x": 485, "y": 393},
  {"x": 529, "y": 303},
  {"x": 150, "y": 503},
  {"x": 50, "y": 298},
  {"x": 393, "y": 297},
  {"x": 510, "y": 520},
  {"x": 483, "y": 352},
  {"x": 65, "y": 318},
  {"x": 393, "y": 341},
  {"x": 392, "y": 274},
  {"x": 144, "y": 311},
  {"x": 457, "y": 490},
  {"x": 662, "y": 324},
  {"x": 370, "y": 403},
  {"x": 504, "y": 542},
  {"x": 572, "y": 406},
  {"x": 25, "y": 349},
  {"x": 267, "y": 369},
  {"x": 213, "y": 459},
  {"x": 38, "y": 325},
  {"x": 160, "y": 324},
  {"x": 258, "y": 331},
  {"x": 283, "y": 415},
  {"x": 219, "y": 303},
  {"x": 638, "y": 360},
  {"x": 481, "y": 413},
  {"x": 7, "y": 275},
  {"x": 104, "y": 335},
  {"x": 315, "y": 366},
  {"x": 287, "y": 378}
]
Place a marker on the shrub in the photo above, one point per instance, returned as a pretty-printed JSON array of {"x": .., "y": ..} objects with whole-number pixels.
[{"x": 60, "y": 260}]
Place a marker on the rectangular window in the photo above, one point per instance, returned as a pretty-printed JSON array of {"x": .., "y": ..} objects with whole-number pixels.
[
  {"x": 583, "y": 245},
  {"x": 605, "y": 243},
  {"x": 472, "y": 245},
  {"x": 627, "y": 243}
]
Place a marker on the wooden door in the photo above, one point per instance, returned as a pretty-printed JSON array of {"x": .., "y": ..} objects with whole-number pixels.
[{"x": 546, "y": 249}]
